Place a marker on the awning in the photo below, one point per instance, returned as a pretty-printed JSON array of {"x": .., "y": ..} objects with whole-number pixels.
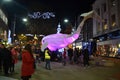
[{"x": 115, "y": 41}]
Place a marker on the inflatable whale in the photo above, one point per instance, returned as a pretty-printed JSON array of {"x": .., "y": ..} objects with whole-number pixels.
[{"x": 59, "y": 40}]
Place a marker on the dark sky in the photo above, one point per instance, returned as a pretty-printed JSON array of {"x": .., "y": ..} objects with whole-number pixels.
[
  {"x": 69, "y": 9},
  {"x": 62, "y": 8}
]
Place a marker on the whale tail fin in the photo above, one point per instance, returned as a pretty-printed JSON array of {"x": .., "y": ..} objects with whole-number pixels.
[
  {"x": 88, "y": 14},
  {"x": 92, "y": 14}
]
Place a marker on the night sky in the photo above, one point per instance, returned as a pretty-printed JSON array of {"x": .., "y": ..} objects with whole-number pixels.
[
  {"x": 69, "y": 9},
  {"x": 62, "y": 8}
]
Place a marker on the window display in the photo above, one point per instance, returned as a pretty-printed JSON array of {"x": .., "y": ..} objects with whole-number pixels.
[{"x": 109, "y": 50}]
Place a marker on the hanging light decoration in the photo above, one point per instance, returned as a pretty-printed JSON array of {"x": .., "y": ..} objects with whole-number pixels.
[{"x": 37, "y": 15}]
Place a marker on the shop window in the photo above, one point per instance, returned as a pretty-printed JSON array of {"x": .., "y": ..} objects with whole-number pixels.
[
  {"x": 98, "y": 11},
  {"x": 105, "y": 27},
  {"x": 98, "y": 28},
  {"x": 109, "y": 50},
  {"x": 104, "y": 7}
]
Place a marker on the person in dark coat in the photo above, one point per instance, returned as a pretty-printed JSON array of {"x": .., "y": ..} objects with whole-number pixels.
[
  {"x": 6, "y": 58},
  {"x": 70, "y": 54},
  {"x": 86, "y": 57},
  {"x": 64, "y": 56},
  {"x": 37, "y": 54}
]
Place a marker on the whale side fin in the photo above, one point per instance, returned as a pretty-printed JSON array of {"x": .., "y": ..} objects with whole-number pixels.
[{"x": 44, "y": 45}]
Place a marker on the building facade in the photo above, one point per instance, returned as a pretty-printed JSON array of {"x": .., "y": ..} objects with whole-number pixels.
[
  {"x": 107, "y": 33},
  {"x": 3, "y": 26}
]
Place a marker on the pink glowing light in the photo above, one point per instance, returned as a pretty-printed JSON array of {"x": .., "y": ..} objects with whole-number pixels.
[{"x": 58, "y": 41}]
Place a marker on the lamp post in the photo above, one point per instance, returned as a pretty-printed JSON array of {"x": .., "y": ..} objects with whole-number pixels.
[
  {"x": 14, "y": 26},
  {"x": 66, "y": 20},
  {"x": 24, "y": 20}
]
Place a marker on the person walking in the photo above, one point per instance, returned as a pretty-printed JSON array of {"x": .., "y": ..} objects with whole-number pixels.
[
  {"x": 47, "y": 59},
  {"x": 64, "y": 56},
  {"x": 6, "y": 59},
  {"x": 27, "y": 68},
  {"x": 85, "y": 57},
  {"x": 70, "y": 55},
  {"x": 14, "y": 53},
  {"x": 37, "y": 55}
]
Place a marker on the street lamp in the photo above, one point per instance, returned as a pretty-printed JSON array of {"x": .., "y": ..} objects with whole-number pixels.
[
  {"x": 66, "y": 20},
  {"x": 24, "y": 20},
  {"x": 14, "y": 26}
]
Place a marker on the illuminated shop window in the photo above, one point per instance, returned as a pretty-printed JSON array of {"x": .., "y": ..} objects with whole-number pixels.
[
  {"x": 119, "y": 45},
  {"x": 105, "y": 27},
  {"x": 98, "y": 28},
  {"x": 110, "y": 50},
  {"x": 113, "y": 24},
  {"x": 113, "y": 21}
]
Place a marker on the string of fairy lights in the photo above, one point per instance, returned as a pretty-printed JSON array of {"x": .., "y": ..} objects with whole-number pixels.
[{"x": 44, "y": 15}]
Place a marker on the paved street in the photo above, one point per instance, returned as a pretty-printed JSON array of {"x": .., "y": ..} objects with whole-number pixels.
[
  {"x": 72, "y": 72},
  {"x": 6, "y": 78}
]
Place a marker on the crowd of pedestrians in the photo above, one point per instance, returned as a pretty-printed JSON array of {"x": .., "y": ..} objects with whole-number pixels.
[
  {"x": 79, "y": 56},
  {"x": 31, "y": 55},
  {"x": 8, "y": 59}
]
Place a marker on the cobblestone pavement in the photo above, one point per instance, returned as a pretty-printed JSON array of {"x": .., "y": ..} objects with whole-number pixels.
[{"x": 71, "y": 72}]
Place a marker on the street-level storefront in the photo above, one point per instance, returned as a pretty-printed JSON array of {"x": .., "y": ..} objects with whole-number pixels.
[
  {"x": 77, "y": 45},
  {"x": 110, "y": 48}
]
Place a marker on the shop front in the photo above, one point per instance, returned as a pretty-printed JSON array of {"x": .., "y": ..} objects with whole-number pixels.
[{"x": 110, "y": 48}]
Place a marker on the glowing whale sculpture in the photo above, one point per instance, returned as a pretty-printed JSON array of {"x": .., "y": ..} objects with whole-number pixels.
[{"x": 59, "y": 40}]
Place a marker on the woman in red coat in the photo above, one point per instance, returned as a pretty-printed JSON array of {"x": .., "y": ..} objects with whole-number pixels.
[{"x": 27, "y": 63}]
